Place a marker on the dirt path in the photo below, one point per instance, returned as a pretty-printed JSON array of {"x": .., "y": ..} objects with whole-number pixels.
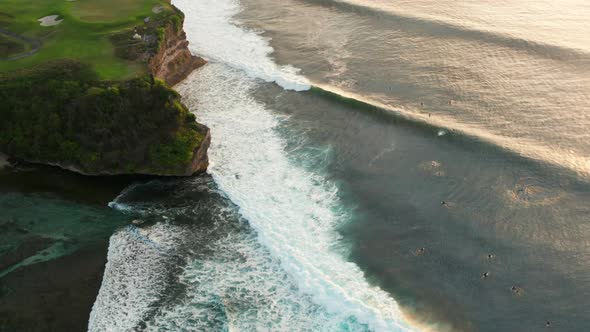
[{"x": 35, "y": 45}]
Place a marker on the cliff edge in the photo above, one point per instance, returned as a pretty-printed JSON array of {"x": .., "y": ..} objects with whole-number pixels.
[
  {"x": 62, "y": 113},
  {"x": 173, "y": 61}
]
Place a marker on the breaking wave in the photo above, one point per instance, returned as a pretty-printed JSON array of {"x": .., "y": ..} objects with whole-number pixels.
[
  {"x": 213, "y": 35},
  {"x": 294, "y": 212}
]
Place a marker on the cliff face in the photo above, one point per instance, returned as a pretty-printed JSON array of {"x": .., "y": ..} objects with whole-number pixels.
[
  {"x": 200, "y": 160},
  {"x": 173, "y": 61},
  {"x": 161, "y": 44}
]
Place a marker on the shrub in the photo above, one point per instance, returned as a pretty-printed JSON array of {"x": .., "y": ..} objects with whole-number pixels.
[{"x": 60, "y": 113}]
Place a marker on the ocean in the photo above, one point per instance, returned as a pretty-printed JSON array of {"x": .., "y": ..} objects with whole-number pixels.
[{"x": 375, "y": 166}]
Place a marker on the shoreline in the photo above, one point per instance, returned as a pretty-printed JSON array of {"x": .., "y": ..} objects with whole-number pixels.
[
  {"x": 58, "y": 294},
  {"x": 147, "y": 130}
]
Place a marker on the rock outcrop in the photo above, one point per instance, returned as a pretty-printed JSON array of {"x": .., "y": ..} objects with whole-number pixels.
[
  {"x": 173, "y": 61},
  {"x": 200, "y": 160}
]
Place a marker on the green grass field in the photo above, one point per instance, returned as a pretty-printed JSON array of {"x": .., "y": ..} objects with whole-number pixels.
[
  {"x": 10, "y": 46},
  {"x": 83, "y": 35}
]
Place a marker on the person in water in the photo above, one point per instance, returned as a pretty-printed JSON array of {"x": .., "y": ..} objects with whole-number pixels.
[{"x": 516, "y": 290}]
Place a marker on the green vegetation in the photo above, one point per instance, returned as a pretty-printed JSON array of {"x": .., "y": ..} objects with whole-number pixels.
[
  {"x": 103, "y": 10},
  {"x": 10, "y": 46},
  {"x": 60, "y": 112},
  {"x": 80, "y": 93},
  {"x": 152, "y": 32},
  {"x": 83, "y": 35},
  {"x": 176, "y": 151}
]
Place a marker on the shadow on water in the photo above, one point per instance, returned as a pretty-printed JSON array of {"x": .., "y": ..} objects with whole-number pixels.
[
  {"x": 55, "y": 227},
  {"x": 440, "y": 29},
  {"x": 442, "y": 135},
  {"x": 55, "y": 182},
  {"x": 463, "y": 234}
]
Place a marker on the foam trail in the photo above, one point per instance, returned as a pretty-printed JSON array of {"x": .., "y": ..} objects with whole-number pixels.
[
  {"x": 294, "y": 212},
  {"x": 212, "y": 35},
  {"x": 134, "y": 281},
  {"x": 209, "y": 274},
  {"x": 239, "y": 286}
]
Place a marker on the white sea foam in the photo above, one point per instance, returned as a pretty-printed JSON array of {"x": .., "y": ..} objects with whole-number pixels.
[
  {"x": 288, "y": 277},
  {"x": 230, "y": 281},
  {"x": 139, "y": 260},
  {"x": 213, "y": 35},
  {"x": 238, "y": 286},
  {"x": 293, "y": 211}
]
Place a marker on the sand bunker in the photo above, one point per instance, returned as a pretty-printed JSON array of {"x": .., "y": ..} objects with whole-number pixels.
[
  {"x": 50, "y": 20},
  {"x": 158, "y": 9}
]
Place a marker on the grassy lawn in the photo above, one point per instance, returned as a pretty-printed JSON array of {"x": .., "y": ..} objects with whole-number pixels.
[
  {"x": 83, "y": 35},
  {"x": 102, "y": 11},
  {"x": 11, "y": 46}
]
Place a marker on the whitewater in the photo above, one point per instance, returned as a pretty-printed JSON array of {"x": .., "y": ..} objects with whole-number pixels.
[{"x": 285, "y": 270}]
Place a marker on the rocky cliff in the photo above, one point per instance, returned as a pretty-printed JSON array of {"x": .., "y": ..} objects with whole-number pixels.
[
  {"x": 61, "y": 114},
  {"x": 161, "y": 44},
  {"x": 173, "y": 61}
]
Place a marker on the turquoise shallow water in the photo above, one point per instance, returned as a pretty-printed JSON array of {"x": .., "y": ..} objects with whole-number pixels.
[
  {"x": 66, "y": 226},
  {"x": 52, "y": 213}
]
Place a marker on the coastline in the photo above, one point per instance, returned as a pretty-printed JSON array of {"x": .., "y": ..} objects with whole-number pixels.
[
  {"x": 95, "y": 125},
  {"x": 321, "y": 211},
  {"x": 58, "y": 294}
]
